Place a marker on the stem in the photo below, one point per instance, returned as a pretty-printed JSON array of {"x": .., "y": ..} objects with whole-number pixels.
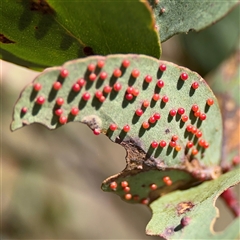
[{"x": 231, "y": 201}]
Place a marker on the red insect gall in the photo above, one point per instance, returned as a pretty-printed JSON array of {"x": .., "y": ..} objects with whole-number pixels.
[
  {"x": 145, "y": 103},
  {"x": 173, "y": 112},
  {"x": 198, "y": 134},
  {"x": 100, "y": 63},
  {"x": 184, "y": 118},
  {"x": 210, "y": 102},
  {"x": 126, "y": 63},
  {"x": 194, "y": 107},
  {"x": 128, "y": 196},
  {"x": 103, "y": 75},
  {"x": 126, "y": 189},
  {"x": 160, "y": 83},
  {"x": 130, "y": 90},
  {"x": 165, "y": 179},
  {"x": 157, "y": 116},
  {"x": 165, "y": 99},
  {"x": 113, "y": 127},
  {"x": 37, "y": 87},
  {"x": 129, "y": 96},
  {"x": 58, "y": 112},
  {"x": 86, "y": 96},
  {"x": 91, "y": 67},
  {"x": 40, "y": 100},
  {"x": 145, "y": 125},
  {"x": 98, "y": 94},
  {"x": 24, "y": 110},
  {"x": 168, "y": 183},
  {"x": 117, "y": 73},
  {"x": 113, "y": 185},
  {"x": 135, "y": 92},
  {"x": 139, "y": 112},
  {"x": 57, "y": 86},
  {"x": 236, "y": 160},
  {"x": 194, "y": 152},
  {"x": 181, "y": 111},
  {"x": 62, "y": 119},
  {"x": 154, "y": 144},
  {"x": 189, "y": 128},
  {"x": 81, "y": 82},
  {"x": 189, "y": 144},
  {"x": 124, "y": 184},
  {"x": 102, "y": 99},
  {"x": 145, "y": 201},
  {"x": 74, "y": 111},
  {"x": 135, "y": 73},
  {"x": 92, "y": 77},
  {"x": 107, "y": 89},
  {"x": 201, "y": 142},
  {"x": 152, "y": 119},
  {"x": 174, "y": 138},
  {"x": 153, "y": 186},
  {"x": 64, "y": 73},
  {"x": 195, "y": 85},
  {"x": 206, "y": 144},
  {"x": 162, "y": 144},
  {"x": 76, "y": 87},
  {"x": 126, "y": 128},
  {"x": 96, "y": 131},
  {"x": 117, "y": 87},
  {"x": 163, "y": 67},
  {"x": 197, "y": 113},
  {"x": 59, "y": 101},
  {"x": 172, "y": 144},
  {"x": 148, "y": 79},
  {"x": 178, "y": 148},
  {"x": 156, "y": 97},
  {"x": 185, "y": 221},
  {"x": 203, "y": 116},
  {"x": 184, "y": 76},
  {"x": 194, "y": 130}
]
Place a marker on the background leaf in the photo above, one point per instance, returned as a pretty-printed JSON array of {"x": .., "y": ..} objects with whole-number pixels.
[
  {"x": 37, "y": 34},
  {"x": 227, "y": 74},
  {"x": 181, "y": 16}
]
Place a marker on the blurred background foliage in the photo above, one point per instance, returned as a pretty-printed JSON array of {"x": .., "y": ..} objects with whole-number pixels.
[{"x": 51, "y": 180}]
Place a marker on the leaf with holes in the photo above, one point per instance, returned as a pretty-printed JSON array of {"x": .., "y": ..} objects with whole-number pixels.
[
  {"x": 178, "y": 214},
  {"x": 39, "y": 34},
  {"x": 181, "y": 16},
  {"x": 162, "y": 114}
]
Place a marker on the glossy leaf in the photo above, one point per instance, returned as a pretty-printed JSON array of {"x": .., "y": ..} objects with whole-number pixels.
[{"x": 38, "y": 34}]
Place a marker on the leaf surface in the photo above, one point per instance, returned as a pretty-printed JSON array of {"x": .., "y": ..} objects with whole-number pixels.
[
  {"x": 196, "y": 204},
  {"x": 148, "y": 162},
  {"x": 181, "y": 16},
  {"x": 39, "y": 34}
]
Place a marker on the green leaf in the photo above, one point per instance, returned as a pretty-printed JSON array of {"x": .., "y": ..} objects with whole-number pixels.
[
  {"x": 196, "y": 204},
  {"x": 48, "y": 33},
  {"x": 225, "y": 83},
  {"x": 209, "y": 48},
  {"x": 145, "y": 164},
  {"x": 181, "y": 16}
]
